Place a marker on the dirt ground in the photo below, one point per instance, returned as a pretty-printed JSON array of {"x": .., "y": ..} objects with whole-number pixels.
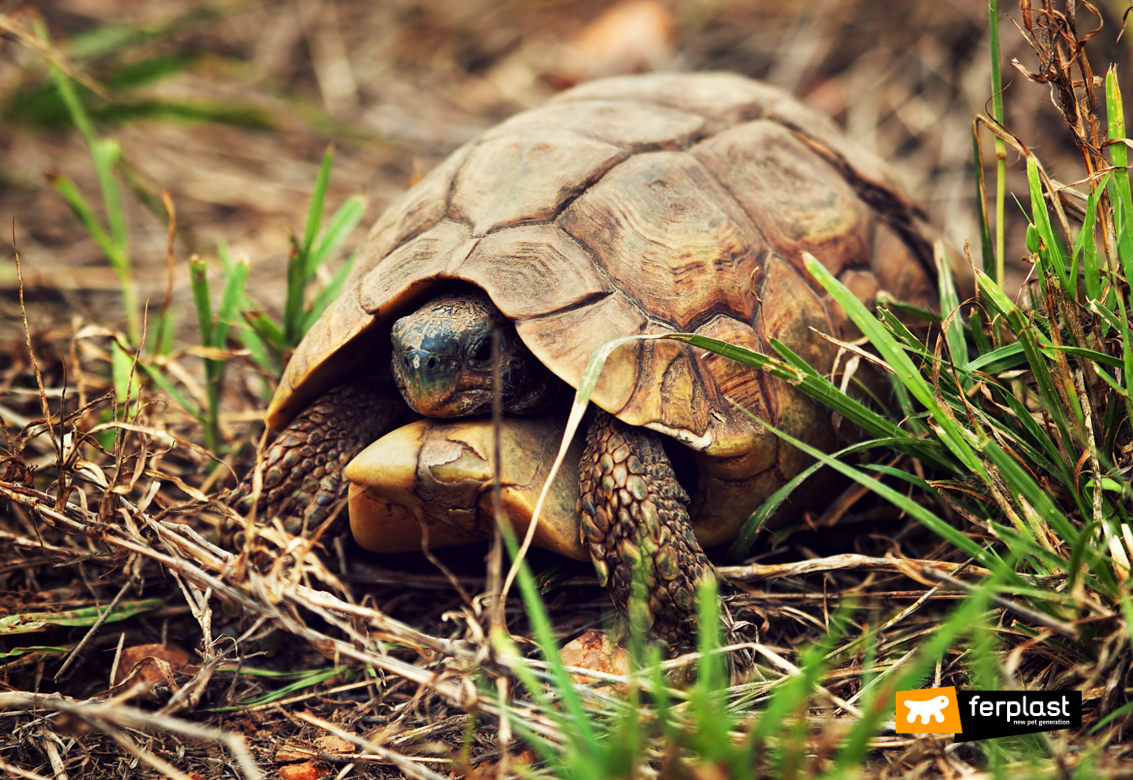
[{"x": 394, "y": 86}]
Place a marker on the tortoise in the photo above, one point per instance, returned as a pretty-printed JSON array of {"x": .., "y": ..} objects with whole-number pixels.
[{"x": 650, "y": 204}]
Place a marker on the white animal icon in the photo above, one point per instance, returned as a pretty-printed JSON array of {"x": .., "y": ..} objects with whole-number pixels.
[{"x": 925, "y": 709}]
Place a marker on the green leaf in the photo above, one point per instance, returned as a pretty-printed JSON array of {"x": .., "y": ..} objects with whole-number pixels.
[{"x": 1028, "y": 336}]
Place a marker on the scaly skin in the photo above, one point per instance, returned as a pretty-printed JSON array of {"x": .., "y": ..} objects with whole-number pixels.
[
  {"x": 303, "y": 468},
  {"x": 634, "y": 517}
]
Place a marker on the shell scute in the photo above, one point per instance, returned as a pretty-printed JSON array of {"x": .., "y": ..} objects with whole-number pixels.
[
  {"x": 647, "y": 128},
  {"x": 798, "y": 201},
  {"x": 412, "y": 213},
  {"x": 667, "y": 233},
  {"x": 525, "y": 178},
  {"x": 414, "y": 264},
  {"x": 532, "y": 271},
  {"x": 564, "y": 341}
]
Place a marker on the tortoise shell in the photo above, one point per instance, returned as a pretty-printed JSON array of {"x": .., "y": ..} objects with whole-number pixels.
[{"x": 643, "y": 205}]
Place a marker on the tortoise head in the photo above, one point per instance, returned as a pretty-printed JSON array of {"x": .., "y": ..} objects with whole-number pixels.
[{"x": 442, "y": 360}]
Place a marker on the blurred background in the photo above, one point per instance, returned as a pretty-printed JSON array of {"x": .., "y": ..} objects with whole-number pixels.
[{"x": 230, "y": 105}]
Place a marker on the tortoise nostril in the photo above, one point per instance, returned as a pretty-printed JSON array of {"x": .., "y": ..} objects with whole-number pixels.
[{"x": 431, "y": 363}]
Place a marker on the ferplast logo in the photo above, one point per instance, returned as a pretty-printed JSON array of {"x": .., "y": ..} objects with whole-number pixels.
[
  {"x": 928, "y": 711},
  {"x": 974, "y": 715}
]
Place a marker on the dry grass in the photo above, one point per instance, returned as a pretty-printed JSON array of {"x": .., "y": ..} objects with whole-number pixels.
[{"x": 126, "y": 519}]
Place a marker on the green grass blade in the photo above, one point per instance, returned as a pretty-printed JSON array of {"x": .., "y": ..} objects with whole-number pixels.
[
  {"x": 949, "y": 430},
  {"x": 950, "y": 308},
  {"x": 236, "y": 279},
  {"x": 345, "y": 219},
  {"x": 1050, "y": 254},
  {"x": 158, "y": 377},
  {"x": 1084, "y": 243},
  {"x": 84, "y": 616},
  {"x": 199, "y": 283},
  {"x": 318, "y": 201},
  {"x": 986, "y": 557},
  {"x": 81, "y": 209},
  {"x": 746, "y": 536},
  {"x": 1027, "y": 335},
  {"x": 122, "y": 371},
  {"x": 105, "y": 153},
  {"x": 328, "y": 294},
  {"x": 1002, "y": 359}
]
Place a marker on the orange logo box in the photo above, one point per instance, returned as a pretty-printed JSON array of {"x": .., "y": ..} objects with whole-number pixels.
[{"x": 928, "y": 711}]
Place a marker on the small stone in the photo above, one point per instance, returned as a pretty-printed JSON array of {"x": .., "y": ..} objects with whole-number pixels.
[
  {"x": 595, "y": 651},
  {"x": 305, "y": 771}
]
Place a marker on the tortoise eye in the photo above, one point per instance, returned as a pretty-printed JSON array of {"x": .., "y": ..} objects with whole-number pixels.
[{"x": 480, "y": 353}]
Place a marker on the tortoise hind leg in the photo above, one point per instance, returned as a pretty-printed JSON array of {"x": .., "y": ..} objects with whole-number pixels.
[
  {"x": 303, "y": 468},
  {"x": 634, "y": 517}
]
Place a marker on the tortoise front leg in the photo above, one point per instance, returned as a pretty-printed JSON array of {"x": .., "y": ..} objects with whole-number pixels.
[
  {"x": 635, "y": 523},
  {"x": 303, "y": 469}
]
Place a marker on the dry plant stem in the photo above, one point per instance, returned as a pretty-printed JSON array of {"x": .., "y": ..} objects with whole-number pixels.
[
  {"x": 1053, "y": 35},
  {"x": 55, "y": 443},
  {"x": 53, "y": 55},
  {"x": 846, "y": 562},
  {"x": 15, "y": 771},
  {"x": 110, "y": 716},
  {"x": 93, "y": 630},
  {"x": 1031, "y": 615},
  {"x": 280, "y": 603},
  {"x": 410, "y": 767}
]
